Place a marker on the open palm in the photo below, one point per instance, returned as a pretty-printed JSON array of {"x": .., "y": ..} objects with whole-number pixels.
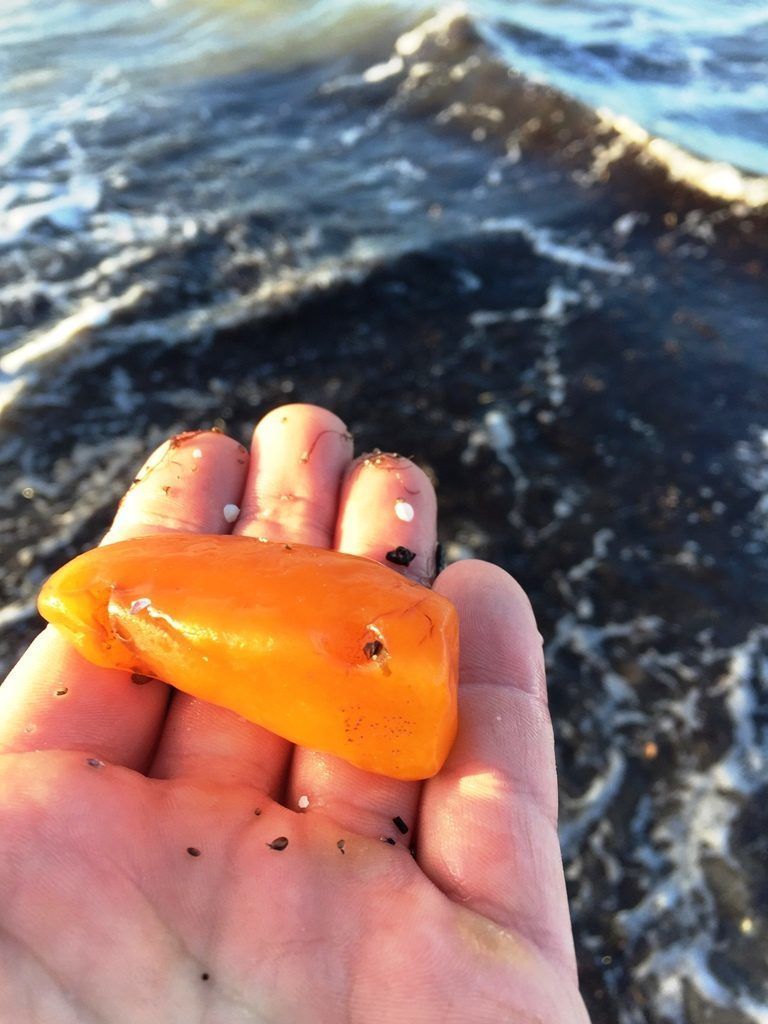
[{"x": 163, "y": 860}]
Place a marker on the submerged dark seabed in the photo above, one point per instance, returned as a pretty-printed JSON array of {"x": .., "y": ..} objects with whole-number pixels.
[{"x": 576, "y": 349}]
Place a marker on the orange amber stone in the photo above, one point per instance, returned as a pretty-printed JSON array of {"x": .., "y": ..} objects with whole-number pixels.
[{"x": 329, "y": 650}]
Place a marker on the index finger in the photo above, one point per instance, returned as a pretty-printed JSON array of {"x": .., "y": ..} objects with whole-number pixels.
[{"x": 54, "y": 698}]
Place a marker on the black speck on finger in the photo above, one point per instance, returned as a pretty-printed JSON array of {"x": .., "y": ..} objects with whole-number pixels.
[
  {"x": 278, "y": 844},
  {"x": 400, "y": 555}
]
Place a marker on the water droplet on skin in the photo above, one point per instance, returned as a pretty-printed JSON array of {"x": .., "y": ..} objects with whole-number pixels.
[
  {"x": 404, "y": 510},
  {"x": 197, "y": 454}
]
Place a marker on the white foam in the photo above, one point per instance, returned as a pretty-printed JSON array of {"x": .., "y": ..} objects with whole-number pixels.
[
  {"x": 45, "y": 343},
  {"x": 707, "y": 802},
  {"x": 717, "y": 179},
  {"x": 543, "y": 245},
  {"x": 10, "y": 391},
  {"x": 15, "y": 133},
  {"x": 500, "y": 433},
  {"x": 592, "y": 805},
  {"x": 91, "y": 314},
  {"x": 600, "y": 541},
  {"x": 559, "y": 301},
  {"x": 17, "y": 611},
  {"x": 411, "y": 42},
  {"x": 379, "y": 72},
  {"x": 752, "y": 456},
  {"x": 624, "y": 225},
  {"x": 67, "y": 209}
]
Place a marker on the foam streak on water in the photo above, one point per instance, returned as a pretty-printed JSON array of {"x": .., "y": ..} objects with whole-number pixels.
[
  {"x": 709, "y": 802},
  {"x": 693, "y": 73}
]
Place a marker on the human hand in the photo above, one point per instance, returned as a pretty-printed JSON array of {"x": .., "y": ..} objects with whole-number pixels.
[{"x": 137, "y": 877}]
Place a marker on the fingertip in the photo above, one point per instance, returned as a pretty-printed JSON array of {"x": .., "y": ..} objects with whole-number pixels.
[
  {"x": 301, "y": 414},
  {"x": 185, "y": 484},
  {"x": 388, "y": 512},
  {"x": 299, "y": 454}
]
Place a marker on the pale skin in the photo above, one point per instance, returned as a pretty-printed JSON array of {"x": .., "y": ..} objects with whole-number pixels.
[{"x": 105, "y": 915}]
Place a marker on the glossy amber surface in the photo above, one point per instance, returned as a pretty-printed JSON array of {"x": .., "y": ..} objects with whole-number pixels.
[{"x": 331, "y": 651}]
